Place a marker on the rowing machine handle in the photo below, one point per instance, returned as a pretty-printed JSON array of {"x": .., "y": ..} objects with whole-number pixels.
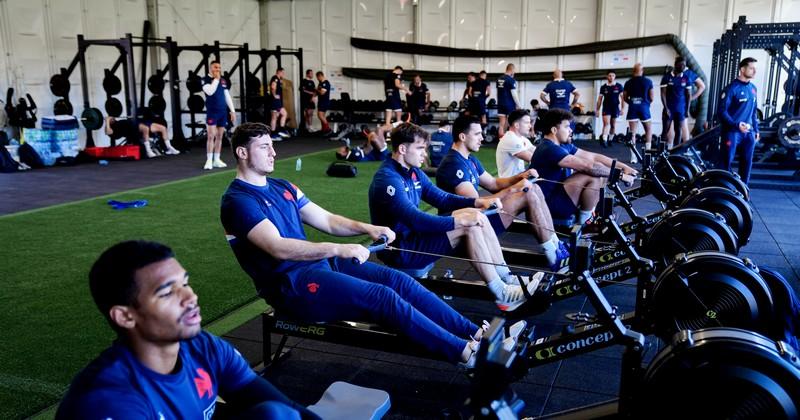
[
  {"x": 533, "y": 180},
  {"x": 376, "y": 246},
  {"x": 491, "y": 210}
]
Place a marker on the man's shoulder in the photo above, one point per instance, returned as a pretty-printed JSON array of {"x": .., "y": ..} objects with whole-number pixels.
[{"x": 111, "y": 369}]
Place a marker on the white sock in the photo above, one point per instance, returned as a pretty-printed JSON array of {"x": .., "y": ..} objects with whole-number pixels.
[
  {"x": 216, "y": 156},
  {"x": 554, "y": 239},
  {"x": 550, "y": 251},
  {"x": 209, "y": 156},
  {"x": 496, "y": 286},
  {"x": 584, "y": 215},
  {"x": 502, "y": 271}
]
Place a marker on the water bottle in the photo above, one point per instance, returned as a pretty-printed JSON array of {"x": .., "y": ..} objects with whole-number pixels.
[{"x": 298, "y": 165}]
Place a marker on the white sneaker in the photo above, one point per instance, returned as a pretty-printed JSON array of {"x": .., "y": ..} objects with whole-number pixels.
[
  {"x": 284, "y": 134},
  {"x": 513, "y": 297},
  {"x": 509, "y": 344},
  {"x": 150, "y": 153},
  {"x": 470, "y": 363},
  {"x": 513, "y": 279},
  {"x": 276, "y": 138},
  {"x": 218, "y": 163},
  {"x": 208, "y": 166},
  {"x": 633, "y": 158},
  {"x": 516, "y": 329},
  {"x": 172, "y": 151}
]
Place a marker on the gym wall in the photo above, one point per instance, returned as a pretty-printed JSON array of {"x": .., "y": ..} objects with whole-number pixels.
[
  {"x": 38, "y": 37},
  {"x": 505, "y": 24}
]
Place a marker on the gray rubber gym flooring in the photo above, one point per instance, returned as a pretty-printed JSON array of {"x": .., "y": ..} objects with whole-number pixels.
[{"x": 419, "y": 388}]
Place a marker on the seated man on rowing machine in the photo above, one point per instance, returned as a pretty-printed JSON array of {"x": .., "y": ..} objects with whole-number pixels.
[
  {"x": 322, "y": 281},
  {"x": 570, "y": 177},
  {"x": 374, "y": 148},
  {"x": 162, "y": 365},
  {"x": 422, "y": 238},
  {"x": 461, "y": 172}
]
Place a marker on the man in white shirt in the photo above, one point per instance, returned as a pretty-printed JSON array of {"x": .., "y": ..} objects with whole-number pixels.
[{"x": 514, "y": 151}]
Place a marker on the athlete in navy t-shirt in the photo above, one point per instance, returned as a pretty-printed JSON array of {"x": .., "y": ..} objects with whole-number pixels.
[
  {"x": 676, "y": 96},
  {"x": 418, "y": 98},
  {"x": 737, "y": 113},
  {"x": 392, "y": 85},
  {"x": 394, "y": 197},
  {"x": 276, "y": 106},
  {"x": 321, "y": 281},
  {"x": 638, "y": 94},
  {"x": 323, "y": 101},
  {"x": 556, "y": 93},
  {"x": 575, "y": 175},
  {"x": 507, "y": 98},
  {"x": 611, "y": 105},
  {"x": 163, "y": 365},
  {"x": 219, "y": 107},
  {"x": 478, "y": 92},
  {"x": 308, "y": 92},
  {"x": 462, "y": 173}
]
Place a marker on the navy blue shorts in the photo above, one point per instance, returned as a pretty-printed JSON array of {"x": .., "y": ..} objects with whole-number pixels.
[
  {"x": 613, "y": 112},
  {"x": 393, "y": 103},
  {"x": 505, "y": 109},
  {"x": 497, "y": 224},
  {"x": 677, "y": 115},
  {"x": 560, "y": 203},
  {"x": 306, "y": 104},
  {"x": 276, "y": 104},
  {"x": 323, "y": 106},
  {"x": 638, "y": 112},
  {"x": 218, "y": 119},
  {"x": 476, "y": 108}
]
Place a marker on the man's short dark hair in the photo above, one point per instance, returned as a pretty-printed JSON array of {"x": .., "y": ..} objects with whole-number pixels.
[
  {"x": 534, "y": 102},
  {"x": 610, "y": 71},
  {"x": 444, "y": 123},
  {"x": 553, "y": 118},
  {"x": 398, "y": 68},
  {"x": 746, "y": 61},
  {"x": 319, "y": 73},
  {"x": 214, "y": 62},
  {"x": 310, "y": 71},
  {"x": 462, "y": 125},
  {"x": 278, "y": 69},
  {"x": 516, "y": 115},
  {"x": 679, "y": 59},
  {"x": 112, "y": 279},
  {"x": 245, "y": 133},
  {"x": 407, "y": 133},
  {"x": 482, "y": 72},
  {"x": 472, "y": 74}
]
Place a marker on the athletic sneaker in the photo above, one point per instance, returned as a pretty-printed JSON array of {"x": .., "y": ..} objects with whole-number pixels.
[
  {"x": 284, "y": 134},
  {"x": 562, "y": 250},
  {"x": 172, "y": 151},
  {"x": 218, "y": 163},
  {"x": 150, "y": 153},
  {"x": 514, "y": 278},
  {"x": 513, "y": 296},
  {"x": 209, "y": 165},
  {"x": 633, "y": 158},
  {"x": 276, "y": 138},
  {"x": 561, "y": 265},
  {"x": 516, "y": 329},
  {"x": 470, "y": 363}
]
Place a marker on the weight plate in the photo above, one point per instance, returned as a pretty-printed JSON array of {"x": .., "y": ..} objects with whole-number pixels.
[
  {"x": 113, "y": 107},
  {"x": 111, "y": 83},
  {"x": 62, "y": 107},
  {"x": 59, "y": 85},
  {"x": 776, "y": 119},
  {"x": 194, "y": 83},
  {"x": 92, "y": 118},
  {"x": 253, "y": 84},
  {"x": 155, "y": 84},
  {"x": 195, "y": 103},
  {"x": 157, "y": 105},
  {"x": 789, "y": 132}
]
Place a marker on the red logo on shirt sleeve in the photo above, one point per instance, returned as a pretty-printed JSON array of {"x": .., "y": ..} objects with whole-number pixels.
[
  {"x": 313, "y": 287},
  {"x": 288, "y": 195},
  {"x": 413, "y": 176},
  {"x": 204, "y": 384}
]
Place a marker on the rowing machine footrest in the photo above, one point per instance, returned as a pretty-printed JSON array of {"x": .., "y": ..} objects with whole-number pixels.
[
  {"x": 347, "y": 401},
  {"x": 564, "y": 223},
  {"x": 417, "y": 273}
]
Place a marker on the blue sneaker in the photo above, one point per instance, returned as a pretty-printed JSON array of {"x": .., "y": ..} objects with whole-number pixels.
[
  {"x": 563, "y": 250},
  {"x": 562, "y": 260}
]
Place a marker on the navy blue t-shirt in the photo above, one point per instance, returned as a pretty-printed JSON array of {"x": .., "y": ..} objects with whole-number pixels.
[
  {"x": 306, "y": 85},
  {"x": 504, "y": 86},
  {"x": 455, "y": 169},
  {"x": 389, "y": 86},
  {"x": 558, "y": 92},
  {"x": 117, "y": 385},
  {"x": 479, "y": 91},
  {"x": 418, "y": 94},
  {"x": 738, "y": 103},
  {"x": 324, "y": 98},
  {"x": 440, "y": 144},
  {"x": 610, "y": 96},
  {"x": 243, "y": 207},
  {"x": 394, "y": 197},
  {"x": 215, "y": 103},
  {"x": 637, "y": 90},
  {"x": 545, "y": 160},
  {"x": 677, "y": 85}
]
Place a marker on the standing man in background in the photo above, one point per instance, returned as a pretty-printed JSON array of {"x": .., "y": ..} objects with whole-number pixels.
[
  {"x": 219, "y": 107},
  {"x": 609, "y": 101},
  {"x": 737, "y": 113},
  {"x": 556, "y": 93},
  {"x": 507, "y": 98},
  {"x": 676, "y": 95},
  {"x": 638, "y": 94},
  {"x": 276, "y": 107},
  {"x": 418, "y": 98},
  {"x": 307, "y": 93},
  {"x": 323, "y": 102},
  {"x": 478, "y": 93},
  {"x": 392, "y": 85}
]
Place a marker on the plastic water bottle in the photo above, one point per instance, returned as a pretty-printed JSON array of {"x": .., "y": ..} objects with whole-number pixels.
[{"x": 298, "y": 165}]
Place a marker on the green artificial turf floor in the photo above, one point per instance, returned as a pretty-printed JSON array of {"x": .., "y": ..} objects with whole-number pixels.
[{"x": 50, "y": 326}]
